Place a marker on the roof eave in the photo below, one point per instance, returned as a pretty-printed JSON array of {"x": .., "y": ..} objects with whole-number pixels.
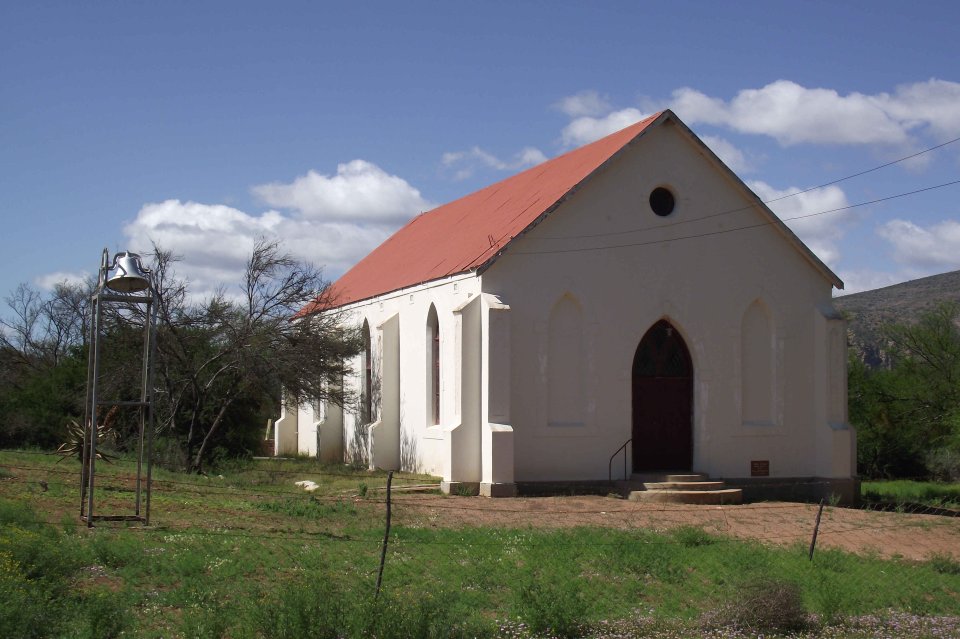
[
  {"x": 663, "y": 116},
  {"x": 777, "y": 223}
]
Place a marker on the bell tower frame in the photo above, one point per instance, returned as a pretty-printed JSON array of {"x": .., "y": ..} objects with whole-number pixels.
[{"x": 130, "y": 293}]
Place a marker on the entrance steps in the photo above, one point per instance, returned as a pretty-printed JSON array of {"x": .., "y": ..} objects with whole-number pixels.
[{"x": 678, "y": 488}]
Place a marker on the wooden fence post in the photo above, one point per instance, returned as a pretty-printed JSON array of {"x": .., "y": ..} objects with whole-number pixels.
[
  {"x": 816, "y": 529},
  {"x": 386, "y": 537}
]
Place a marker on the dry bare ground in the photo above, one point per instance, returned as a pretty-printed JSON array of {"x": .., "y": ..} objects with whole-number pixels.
[{"x": 885, "y": 534}]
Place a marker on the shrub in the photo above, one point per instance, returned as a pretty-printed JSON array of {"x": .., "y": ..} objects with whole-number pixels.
[
  {"x": 312, "y": 610},
  {"x": 944, "y": 564},
  {"x": 553, "y": 607},
  {"x": 103, "y": 615},
  {"x": 692, "y": 537},
  {"x": 24, "y": 608},
  {"x": 38, "y": 568},
  {"x": 763, "y": 605},
  {"x": 944, "y": 464},
  {"x": 430, "y": 616}
]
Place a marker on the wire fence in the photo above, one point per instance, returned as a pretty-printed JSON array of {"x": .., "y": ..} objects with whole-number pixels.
[{"x": 596, "y": 557}]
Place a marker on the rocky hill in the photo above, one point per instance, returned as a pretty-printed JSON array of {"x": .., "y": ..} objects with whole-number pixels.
[{"x": 902, "y": 303}]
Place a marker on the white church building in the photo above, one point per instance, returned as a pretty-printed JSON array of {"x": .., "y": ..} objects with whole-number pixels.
[{"x": 629, "y": 304}]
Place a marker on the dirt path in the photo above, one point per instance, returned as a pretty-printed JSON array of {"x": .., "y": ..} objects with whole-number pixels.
[{"x": 862, "y": 531}]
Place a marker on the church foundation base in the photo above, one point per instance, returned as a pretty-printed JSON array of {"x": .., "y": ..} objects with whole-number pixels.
[
  {"x": 498, "y": 490},
  {"x": 840, "y": 491},
  {"x": 463, "y": 488}
]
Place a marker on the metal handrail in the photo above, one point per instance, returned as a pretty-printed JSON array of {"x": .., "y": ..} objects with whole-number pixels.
[{"x": 610, "y": 464}]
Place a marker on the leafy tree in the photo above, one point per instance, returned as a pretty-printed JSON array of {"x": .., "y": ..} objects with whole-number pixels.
[{"x": 908, "y": 416}]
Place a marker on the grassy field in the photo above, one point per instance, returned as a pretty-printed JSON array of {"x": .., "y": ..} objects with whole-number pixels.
[
  {"x": 245, "y": 554},
  {"x": 902, "y": 491}
]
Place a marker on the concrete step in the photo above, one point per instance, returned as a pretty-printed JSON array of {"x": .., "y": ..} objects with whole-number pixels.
[
  {"x": 713, "y": 497},
  {"x": 671, "y": 477},
  {"x": 684, "y": 485}
]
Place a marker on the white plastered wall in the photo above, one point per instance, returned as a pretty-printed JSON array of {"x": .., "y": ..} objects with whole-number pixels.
[
  {"x": 403, "y": 435},
  {"x": 285, "y": 431},
  {"x": 300, "y": 430},
  {"x": 693, "y": 269}
]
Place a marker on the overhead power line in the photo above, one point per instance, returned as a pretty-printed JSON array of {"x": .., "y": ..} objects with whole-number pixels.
[
  {"x": 854, "y": 175},
  {"x": 717, "y": 232},
  {"x": 770, "y": 201}
]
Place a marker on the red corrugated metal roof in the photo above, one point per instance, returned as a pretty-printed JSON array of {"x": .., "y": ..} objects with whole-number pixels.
[{"x": 467, "y": 233}]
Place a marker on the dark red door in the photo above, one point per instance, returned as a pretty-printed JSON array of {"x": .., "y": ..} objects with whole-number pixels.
[{"x": 662, "y": 401}]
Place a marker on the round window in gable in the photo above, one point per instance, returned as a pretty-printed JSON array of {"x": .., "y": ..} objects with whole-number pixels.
[{"x": 661, "y": 201}]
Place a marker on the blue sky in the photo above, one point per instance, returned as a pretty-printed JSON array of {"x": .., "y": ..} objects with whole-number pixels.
[{"x": 203, "y": 125}]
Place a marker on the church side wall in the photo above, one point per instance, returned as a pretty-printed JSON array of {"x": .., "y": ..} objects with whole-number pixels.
[
  {"x": 701, "y": 268},
  {"x": 398, "y": 322}
]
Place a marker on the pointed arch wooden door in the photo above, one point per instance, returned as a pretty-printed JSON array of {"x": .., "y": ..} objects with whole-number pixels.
[{"x": 662, "y": 401}]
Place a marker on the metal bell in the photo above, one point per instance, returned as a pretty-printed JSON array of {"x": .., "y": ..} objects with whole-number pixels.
[{"x": 130, "y": 275}]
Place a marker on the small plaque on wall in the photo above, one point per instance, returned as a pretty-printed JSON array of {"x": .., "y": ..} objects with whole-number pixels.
[{"x": 760, "y": 468}]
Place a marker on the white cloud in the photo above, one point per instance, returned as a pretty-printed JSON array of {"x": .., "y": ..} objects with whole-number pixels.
[
  {"x": 531, "y": 156},
  {"x": 934, "y": 103},
  {"x": 924, "y": 250},
  {"x": 214, "y": 240},
  {"x": 821, "y": 232},
  {"x": 360, "y": 191},
  {"x": 330, "y": 221},
  {"x": 793, "y": 114},
  {"x": 49, "y": 281},
  {"x": 585, "y": 103},
  {"x": 586, "y": 129},
  {"x": 857, "y": 281},
  {"x": 469, "y": 161},
  {"x": 726, "y": 151}
]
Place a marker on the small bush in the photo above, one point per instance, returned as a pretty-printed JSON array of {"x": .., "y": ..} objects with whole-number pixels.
[
  {"x": 24, "y": 607},
  {"x": 115, "y": 550},
  {"x": 170, "y": 455},
  {"x": 102, "y": 615},
  {"x": 15, "y": 513},
  {"x": 430, "y": 616},
  {"x": 944, "y": 464},
  {"x": 201, "y": 622},
  {"x": 945, "y": 564},
  {"x": 313, "y": 610},
  {"x": 828, "y": 596},
  {"x": 553, "y": 607},
  {"x": 693, "y": 537},
  {"x": 38, "y": 569},
  {"x": 764, "y": 605},
  {"x": 41, "y": 555}
]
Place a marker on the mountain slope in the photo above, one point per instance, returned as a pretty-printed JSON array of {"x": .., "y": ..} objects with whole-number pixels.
[{"x": 868, "y": 311}]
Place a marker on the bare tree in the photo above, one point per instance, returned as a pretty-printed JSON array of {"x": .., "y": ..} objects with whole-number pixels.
[
  {"x": 42, "y": 361},
  {"x": 221, "y": 362},
  {"x": 41, "y": 329},
  {"x": 222, "y": 352}
]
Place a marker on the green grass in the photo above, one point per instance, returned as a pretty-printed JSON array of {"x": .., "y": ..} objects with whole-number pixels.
[
  {"x": 247, "y": 555},
  {"x": 308, "y": 507},
  {"x": 937, "y": 494}
]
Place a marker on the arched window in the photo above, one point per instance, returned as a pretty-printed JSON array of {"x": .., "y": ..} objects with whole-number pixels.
[
  {"x": 756, "y": 366},
  {"x": 433, "y": 366},
  {"x": 565, "y": 364},
  {"x": 366, "y": 392}
]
